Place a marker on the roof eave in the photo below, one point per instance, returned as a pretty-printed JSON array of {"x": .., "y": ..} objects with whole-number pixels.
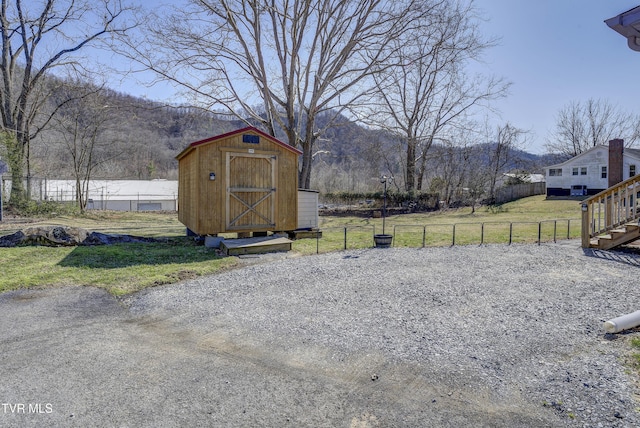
[
  {"x": 238, "y": 131},
  {"x": 627, "y": 24},
  {"x": 579, "y": 155}
]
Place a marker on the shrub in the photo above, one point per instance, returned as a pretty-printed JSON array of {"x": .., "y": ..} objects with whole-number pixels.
[
  {"x": 44, "y": 209},
  {"x": 416, "y": 201}
]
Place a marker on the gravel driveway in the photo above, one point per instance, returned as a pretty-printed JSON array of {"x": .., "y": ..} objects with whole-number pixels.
[{"x": 500, "y": 336}]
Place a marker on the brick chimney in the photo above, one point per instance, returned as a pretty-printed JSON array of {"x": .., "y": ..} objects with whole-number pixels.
[{"x": 616, "y": 148}]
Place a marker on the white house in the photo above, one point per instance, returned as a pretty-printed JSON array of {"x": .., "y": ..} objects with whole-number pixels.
[{"x": 593, "y": 171}]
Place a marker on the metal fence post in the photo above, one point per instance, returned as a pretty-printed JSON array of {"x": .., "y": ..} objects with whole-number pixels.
[
  {"x": 345, "y": 238},
  {"x": 424, "y": 236},
  {"x": 510, "y": 233},
  {"x": 481, "y": 233},
  {"x": 453, "y": 240},
  {"x": 539, "y": 232}
]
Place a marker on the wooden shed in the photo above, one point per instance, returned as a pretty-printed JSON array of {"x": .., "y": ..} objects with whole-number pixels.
[{"x": 243, "y": 181}]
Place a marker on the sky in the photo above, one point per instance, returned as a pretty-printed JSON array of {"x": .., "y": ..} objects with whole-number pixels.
[{"x": 553, "y": 52}]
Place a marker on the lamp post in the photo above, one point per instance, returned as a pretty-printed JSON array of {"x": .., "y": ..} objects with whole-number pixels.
[{"x": 383, "y": 240}]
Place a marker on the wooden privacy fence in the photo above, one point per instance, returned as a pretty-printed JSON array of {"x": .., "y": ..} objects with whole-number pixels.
[
  {"x": 518, "y": 191},
  {"x": 421, "y": 236},
  {"x": 610, "y": 209}
]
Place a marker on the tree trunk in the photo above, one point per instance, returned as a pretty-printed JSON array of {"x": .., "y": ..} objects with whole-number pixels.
[
  {"x": 15, "y": 160},
  {"x": 410, "y": 179},
  {"x": 17, "y": 186},
  {"x": 421, "y": 171},
  {"x": 80, "y": 199},
  {"x": 304, "y": 177}
]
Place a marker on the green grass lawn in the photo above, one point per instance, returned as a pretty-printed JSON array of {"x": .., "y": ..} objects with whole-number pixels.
[
  {"x": 515, "y": 222},
  {"x": 126, "y": 268},
  {"x": 120, "y": 269}
]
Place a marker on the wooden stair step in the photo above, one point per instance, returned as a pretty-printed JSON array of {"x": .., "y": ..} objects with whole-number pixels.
[{"x": 615, "y": 237}]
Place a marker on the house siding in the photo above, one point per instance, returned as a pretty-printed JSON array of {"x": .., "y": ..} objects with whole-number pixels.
[{"x": 593, "y": 160}]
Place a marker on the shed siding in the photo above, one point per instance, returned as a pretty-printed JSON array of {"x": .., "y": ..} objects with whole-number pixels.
[
  {"x": 210, "y": 210},
  {"x": 287, "y": 193},
  {"x": 307, "y": 209},
  {"x": 187, "y": 190}
]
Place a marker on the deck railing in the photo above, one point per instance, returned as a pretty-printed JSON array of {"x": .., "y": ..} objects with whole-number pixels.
[{"x": 609, "y": 209}]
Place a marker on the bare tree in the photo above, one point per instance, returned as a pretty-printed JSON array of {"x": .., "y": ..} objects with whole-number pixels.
[
  {"x": 424, "y": 89},
  {"x": 83, "y": 125},
  {"x": 583, "y": 125},
  {"x": 450, "y": 165},
  {"x": 292, "y": 59},
  {"x": 475, "y": 187},
  {"x": 464, "y": 171},
  {"x": 39, "y": 37},
  {"x": 501, "y": 154}
]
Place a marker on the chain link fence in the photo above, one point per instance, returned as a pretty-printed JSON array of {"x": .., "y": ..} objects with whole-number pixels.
[{"x": 117, "y": 195}]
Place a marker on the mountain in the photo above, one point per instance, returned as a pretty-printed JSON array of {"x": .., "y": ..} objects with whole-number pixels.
[{"x": 143, "y": 137}]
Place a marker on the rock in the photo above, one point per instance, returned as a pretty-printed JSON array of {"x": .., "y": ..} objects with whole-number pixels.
[
  {"x": 53, "y": 236},
  {"x": 59, "y": 236}
]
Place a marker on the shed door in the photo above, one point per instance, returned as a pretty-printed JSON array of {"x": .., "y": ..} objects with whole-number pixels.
[{"x": 251, "y": 191}]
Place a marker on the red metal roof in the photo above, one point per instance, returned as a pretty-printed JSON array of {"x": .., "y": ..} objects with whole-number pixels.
[{"x": 239, "y": 131}]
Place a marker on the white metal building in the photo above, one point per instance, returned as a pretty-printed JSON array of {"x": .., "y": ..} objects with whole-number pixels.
[{"x": 117, "y": 195}]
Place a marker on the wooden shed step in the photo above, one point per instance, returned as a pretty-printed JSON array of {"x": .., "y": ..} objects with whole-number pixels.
[
  {"x": 260, "y": 245},
  {"x": 305, "y": 234}
]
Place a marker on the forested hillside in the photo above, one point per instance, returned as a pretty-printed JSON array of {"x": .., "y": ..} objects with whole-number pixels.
[
  {"x": 136, "y": 139},
  {"x": 139, "y": 139}
]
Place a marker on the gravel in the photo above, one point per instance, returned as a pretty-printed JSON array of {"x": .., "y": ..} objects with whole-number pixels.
[
  {"x": 466, "y": 336},
  {"x": 493, "y": 335}
]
